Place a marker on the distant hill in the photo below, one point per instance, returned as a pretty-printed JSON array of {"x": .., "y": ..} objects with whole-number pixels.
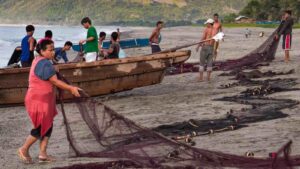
[{"x": 114, "y": 11}]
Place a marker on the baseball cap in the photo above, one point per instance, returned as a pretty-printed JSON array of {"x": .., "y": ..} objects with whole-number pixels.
[{"x": 211, "y": 21}]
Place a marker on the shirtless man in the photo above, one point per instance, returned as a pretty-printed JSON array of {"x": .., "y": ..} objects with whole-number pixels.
[
  {"x": 154, "y": 38},
  {"x": 217, "y": 27},
  {"x": 207, "y": 51}
]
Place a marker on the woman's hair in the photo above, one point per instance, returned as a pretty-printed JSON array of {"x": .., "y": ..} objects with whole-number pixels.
[{"x": 43, "y": 45}]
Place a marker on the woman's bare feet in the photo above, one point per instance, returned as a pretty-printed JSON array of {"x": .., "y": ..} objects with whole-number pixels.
[
  {"x": 24, "y": 156},
  {"x": 44, "y": 158}
]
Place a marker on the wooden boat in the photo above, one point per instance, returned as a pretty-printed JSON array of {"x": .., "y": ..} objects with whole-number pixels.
[{"x": 96, "y": 78}]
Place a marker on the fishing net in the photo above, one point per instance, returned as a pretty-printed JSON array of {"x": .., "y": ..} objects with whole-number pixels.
[
  {"x": 240, "y": 75},
  {"x": 262, "y": 109},
  {"x": 95, "y": 130},
  {"x": 261, "y": 56}
]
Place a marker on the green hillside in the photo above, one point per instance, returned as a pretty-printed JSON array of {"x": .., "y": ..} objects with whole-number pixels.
[{"x": 139, "y": 12}]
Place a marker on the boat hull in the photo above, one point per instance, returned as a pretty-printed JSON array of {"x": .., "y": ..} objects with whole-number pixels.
[{"x": 96, "y": 78}]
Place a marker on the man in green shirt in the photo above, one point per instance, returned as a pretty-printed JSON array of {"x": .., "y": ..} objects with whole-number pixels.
[{"x": 91, "y": 47}]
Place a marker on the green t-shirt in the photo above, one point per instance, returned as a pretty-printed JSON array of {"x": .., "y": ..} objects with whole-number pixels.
[{"x": 92, "y": 46}]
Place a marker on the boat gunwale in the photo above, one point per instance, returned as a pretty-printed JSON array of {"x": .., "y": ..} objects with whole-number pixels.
[{"x": 104, "y": 62}]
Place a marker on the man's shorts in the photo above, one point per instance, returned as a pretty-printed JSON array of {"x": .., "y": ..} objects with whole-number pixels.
[
  {"x": 90, "y": 57},
  {"x": 155, "y": 48},
  {"x": 206, "y": 57},
  {"x": 287, "y": 42}
]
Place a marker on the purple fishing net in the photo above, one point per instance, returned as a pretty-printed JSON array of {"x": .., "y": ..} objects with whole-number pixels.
[{"x": 95, "y": 130}]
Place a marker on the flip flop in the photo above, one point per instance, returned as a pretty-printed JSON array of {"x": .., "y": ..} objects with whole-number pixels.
[
  {"x": 48, "y": 159},
  {"x": 23, "y": 158}
]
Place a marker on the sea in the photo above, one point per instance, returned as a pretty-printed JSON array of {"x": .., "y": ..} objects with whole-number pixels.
[{"x": 11, "y": 36}]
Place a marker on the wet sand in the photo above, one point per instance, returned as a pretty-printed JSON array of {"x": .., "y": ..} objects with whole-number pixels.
[{"x": 177, "y": 98}]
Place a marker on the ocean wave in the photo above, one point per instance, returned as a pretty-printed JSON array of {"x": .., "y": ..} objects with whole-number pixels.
[{"x": 5, "y": 43}]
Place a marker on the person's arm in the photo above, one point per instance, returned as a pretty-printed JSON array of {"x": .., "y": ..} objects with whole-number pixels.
[
  {"x": 111, "y": 49},
  {"x": 86, "y": 40},
  {"x": 221, "y": 28},
  {"x": 31, "y": 44},
  {"x": 60, "y": 84},
  {"x": 65, "y": 58},
  {"x": 284, "y": 27},
  {"x": 119, "y": 33},
  {"x": 202, "y": 39},
  {"x": 91, "y": 34}
]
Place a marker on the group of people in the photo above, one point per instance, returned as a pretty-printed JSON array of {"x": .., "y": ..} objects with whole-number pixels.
[
  {"x": 93, "y": 45},
  {"x": 40, "y": 97},
  {"x": 209, "y": 46},
  {"x": 29, "y": 44}
]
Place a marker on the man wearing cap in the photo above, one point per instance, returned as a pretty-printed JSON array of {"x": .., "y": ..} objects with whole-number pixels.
[{"x": 207, "y": 51}]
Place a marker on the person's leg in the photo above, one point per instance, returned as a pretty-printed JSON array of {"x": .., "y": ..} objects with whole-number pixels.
[
  {"x": 202, "y": 62},
  {"x": 287, "y": 56},
  {"x": 155, "y": 48},
  {"x": 43, "y": 156},
  {"x": 43, "y": 147},
  {"x": 158, "y": 48},
  {"x": 287, "y": 47},
  {"x": 25, "y": 64},
  {"x": 210, "y": 56},
  {"x": 152, "y": 49},
  {"x": 216, "y": 46},
  {"x": 30, "y": 140}
]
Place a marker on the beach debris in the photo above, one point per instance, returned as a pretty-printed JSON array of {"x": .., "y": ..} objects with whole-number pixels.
[{"x": 249, "y": 154}]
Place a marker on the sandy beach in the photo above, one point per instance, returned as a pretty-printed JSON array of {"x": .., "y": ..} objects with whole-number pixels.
[{"x": 177, "y": 98}]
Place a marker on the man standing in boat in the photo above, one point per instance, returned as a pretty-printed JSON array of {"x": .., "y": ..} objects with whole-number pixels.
[
  {"x": 207, "y": 51},
  {"x": 217, "y": 27},
  {"x": 155, "y": 37},
  {"x": 27, "y": 46},
  {"x": 286, "y": 31},
  {"x": 91, "y": 48}
]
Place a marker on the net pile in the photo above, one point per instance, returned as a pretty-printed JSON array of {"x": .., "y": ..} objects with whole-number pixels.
[{"x": 95, "y": 130}]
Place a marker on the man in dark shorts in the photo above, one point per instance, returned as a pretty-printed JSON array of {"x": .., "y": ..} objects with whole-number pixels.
[
  {"x": 155, "y": 37},
  {"x": 286, "y": 31}
]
